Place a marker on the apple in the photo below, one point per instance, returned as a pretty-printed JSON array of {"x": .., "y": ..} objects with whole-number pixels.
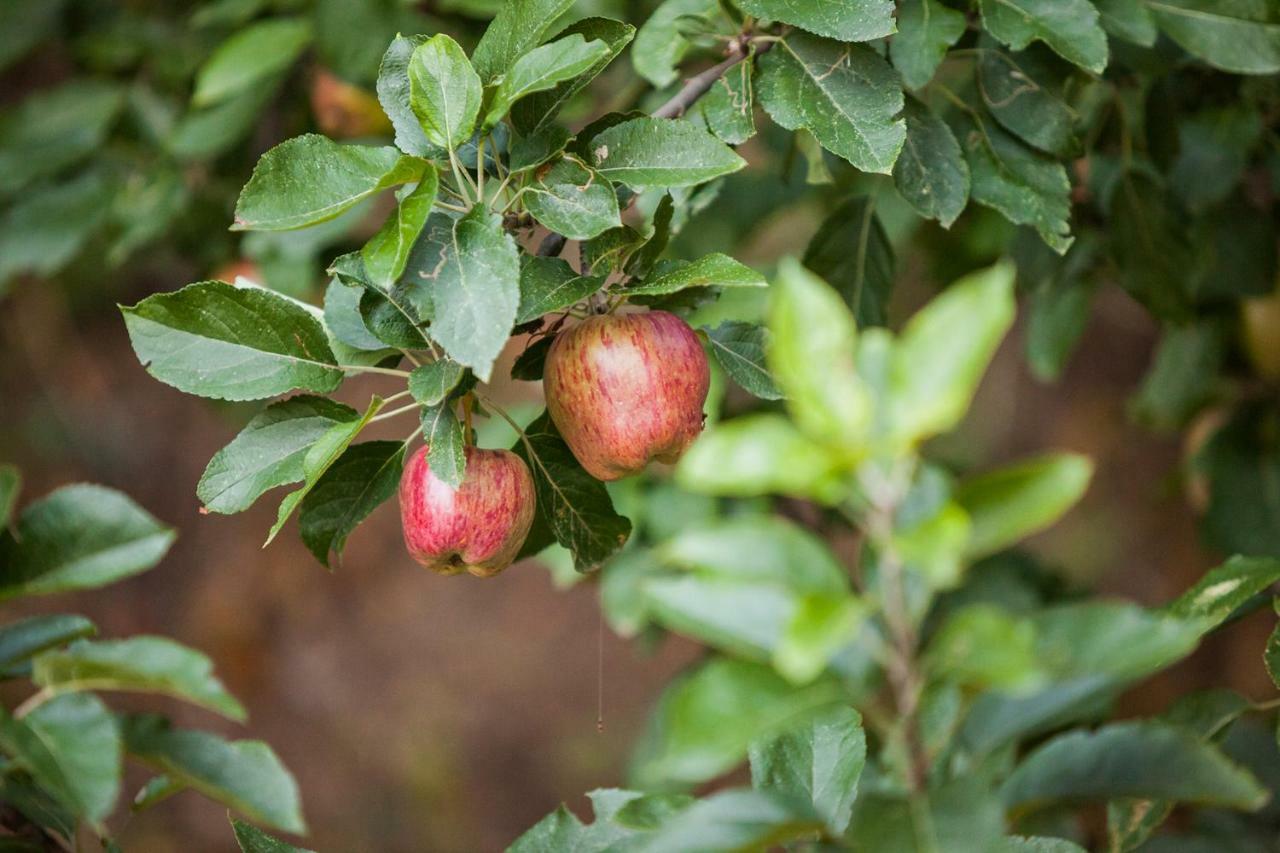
[
  {"x": 478, "y": 528},
  {"x": 627, "y": 388},
  {"x": 1260, "y": 319}
]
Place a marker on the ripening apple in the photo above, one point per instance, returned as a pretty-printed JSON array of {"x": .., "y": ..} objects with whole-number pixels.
[
  {"x": 626, "y": 388},
  {"x": 478, "y": 528}
]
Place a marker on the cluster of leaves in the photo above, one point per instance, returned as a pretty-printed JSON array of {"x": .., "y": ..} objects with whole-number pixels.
[
  {"x": 948, "y": 694},
  {"x": 62, "y": 750}
]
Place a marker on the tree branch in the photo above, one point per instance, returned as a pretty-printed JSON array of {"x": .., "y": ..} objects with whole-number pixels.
[{"x": 697, "y": 86}]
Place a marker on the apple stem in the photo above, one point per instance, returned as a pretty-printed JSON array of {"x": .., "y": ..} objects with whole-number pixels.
[
  {"x": 361, "y": 368},
  {"x": 391, "y": 414},
  {"x": 466, "y": 418}
]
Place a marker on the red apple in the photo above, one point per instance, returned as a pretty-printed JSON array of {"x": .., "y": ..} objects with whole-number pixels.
[
  {"x": 626, "y": 388},
  {"x": 478, "y": 528}
]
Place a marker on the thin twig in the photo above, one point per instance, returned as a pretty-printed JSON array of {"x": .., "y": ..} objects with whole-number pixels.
[{"x": 697, "y": 86}]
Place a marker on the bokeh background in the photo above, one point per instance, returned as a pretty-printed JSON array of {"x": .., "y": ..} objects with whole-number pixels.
[{"x": 418, "y": 712}]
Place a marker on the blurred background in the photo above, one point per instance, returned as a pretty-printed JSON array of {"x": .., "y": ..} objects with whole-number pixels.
[{"x": 419, "y": 712}]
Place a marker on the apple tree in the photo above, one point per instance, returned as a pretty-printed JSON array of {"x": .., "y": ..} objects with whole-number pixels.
[{"x": 579, "y": 192}]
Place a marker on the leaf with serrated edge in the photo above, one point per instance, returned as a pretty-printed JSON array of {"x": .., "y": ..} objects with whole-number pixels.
[
  {"x": 926, "y": 29},
  {"x": 845, "y": 20},
  {"x": 431, "y": 383},
  {"x": 573, "y": 200},
  {"x": 714, "y": 270},
  {"x": 550, "y": 284},
  {"x": 1069, "y": 27},
  {"x": 931, "y": 173},
  {"x": 444, "y": 91},
  {"x": 362, "y": 478},
  {"x": 740, "y": 349},
  {"x": 658, "y": 152}
]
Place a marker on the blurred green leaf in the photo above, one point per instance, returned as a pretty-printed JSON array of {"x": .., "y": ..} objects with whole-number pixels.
[
  {"x": 46, "y": 228},
  {"x": 23, "y": 24},
  {"x": 740, "y": 349},
  {"x": 1183, "y": 375},
  {"x": 244, "y": 775},
  {"x": 146, "y": 664},
  {"x": 254, "y": 840},
  {"x": 53, "y": 129},
  {"x": 959, "y": 817},
  {"x": 982, "y": 646},
  {"x": 250, "y": 56},
  {"x": 734, "y": 820},
  {"x": 10, "y": 486},
  {"x": 26, "y": 637},
  {"x": 71, "y": 747},
  {"x": 1243, "y": 38},
  {"x": 1011, "y": 503},
  {"x": 852, "y": 252},
  {"x": 818, "y": 762},
  {"x": 79, "y": 537},
  {"x": 1216, "y": 595}
]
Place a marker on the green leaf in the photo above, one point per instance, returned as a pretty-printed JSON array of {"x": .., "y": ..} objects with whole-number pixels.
[
  {"x": 431, "y": 383},
  {"x": 26, "y": 637},
  {"x": 1024, "y": 92},
  {"x": 205, "y": 134},
  {"x": 739, "y": 348},
  {"x": 714, "y": 270},
  {"x": 818, "y": 762},
  {"x": 734, "y": 820},
  {"x": 1143, "y": 759},
  {"x": 444, "y": 91},
  {"x": 707, "y": 718},
  {"x": 311, "y": 179},
  {"x": 254, "y": 840},
  {"x": 251, "y": 55},
  {"x": 1018, "y": 844},
  {"x": 845, "y": 95},
  {"x": 959, "y": 817},
  {"x": 760, "y": 548},
  {"x": 548, "y": 285},
  {"x": 1150, "y": 246},
  {"x": 54, "y": 129},
  {"x": 355, "y": 485},
  {"x": 728, "y": 109},
  {"x": 659, "y": 152},
  {"x": 45, "y": 229},
  {"x": 534, "y": 114},
  {"x": 760, "y": 454},
  {"x": 396, "y": 99},
  {"x": 852, "y": 252},
  {"x": 268, "y": 452},
  {"x": 79, "y": 537},
  {"x": 529, "y": 152},
  {"x": 518, "y": 26},
  {"x": 572, "y": 200},
  {"x": 1011, "y": 503},
  {"x": 71, "y": 747},
  {"x": 1061, "y": 293},
  {"x": 844, "y": 20},
  {"x": 145, "y": 664},
  {"x": 322, "y": 453},
  {"x": 931, "y": 172},
  {"x": 572, "y": 505},
  {"x": 1243, "y": 38},
  {"x": 541, "y": 69},
  {"x": 810, "y": 326},
  {"x": 473, "y": 287},
  {"x": 1183, "y": 376},
  {"x": 24, "y": 24},
  {"x": 231, "y": 343},
  {"x": 10, "y": 486},
  {"x": 22, "y": 792},
  {"x": 1027, "y": 187},
  {"x": 1241, "y": 460},
  {"x": 244, "y": 775},
  {"x": 530, "y": 365},
  {"x": 1130, "y": 20},
  {"x": 661, "y": 43},
  {"x": 387, "y": 252},
  {"x": 1069, "y": 27},
  {"x": 622, "y": 818},
  {"x": 1214, "y": 147},
  {"x": 926, "y": 28},
  {"x": 944, "y": 350},
  {"x": 983, "y": 646},
  {"x": 1225, "y": 588},
  {"x": 446, "y": 444}
]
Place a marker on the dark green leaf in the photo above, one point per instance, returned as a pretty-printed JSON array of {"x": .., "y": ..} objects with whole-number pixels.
[
  {"x": 44, "y": 230},
  {"x": 249, "y": 56},
  {"x": 268, "y": 452},
  {"x": 311, "y": 179},
  {"x": 342, "y": 317},
  {"x": 355, "y": 485},
  {"x": 473, "y": 287},
  {"x": 529, "y": 152},
  {"x": 26, "y": 637},
  {"x": 959, "y": 817},
  {"x": 232, "y": 343},
  {"x": 926, "y": 28},
  {"x": 541, "y": 69},
  {"x": 394, "y": 95},
  {"x": 79, "y": 537},
  {"x": 852, "y": 252},
  {"x": 572, "y": 505},
  {"x": 71, "y": 746},
  {"x": 845, "y": 20},
  {"x": 1213, "y": 151},
  {"x": 661, "y": 43},
  {"x": 550, "y": 284},
  {"x": 533, "y": 115},
  {"x": 446, "y": 444},
  {"x": 818, "y": 762},
  {"x": 931, "y": 172},
  {"x": 734, "y": 820},
  {"x": 1238, "y": 37},
  {"x": 1183, "y": 375},
  {"x": 431, "y": 383},
  {"x": 531, "y": 363},
  {"x": 740, "y": 349},
  {"x": 1144, "y": 759},
  {"x": 23, "y": 24},
  {"x": 1061, "y": 294},
  {"x": 1225, "y": 588},
  {"x": 1070, "y": 27},
  {"x": 387, "y": 252},
  {"x": 729, "y": 108},
  {"x": 573, "y": 200},
  {"x": 845, "y": 95},
  {"x": 715, "y": 270},
  {"x": 518, "y": 26},
  {"x": 390, "y": 316},
  {"x": 1150, "y": 246},
  {"x": 658, "y": 152},
  {"x": 1130, "y": 20},
  {"x": 10, "y": 486},
  {"x": 254, "y": 840},
  {"x": 146, "y": 664},
  {"x": 54, "y": 129},
  {"x": 1024, "y": 91},
  {"x": 244, "y": 775}
]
